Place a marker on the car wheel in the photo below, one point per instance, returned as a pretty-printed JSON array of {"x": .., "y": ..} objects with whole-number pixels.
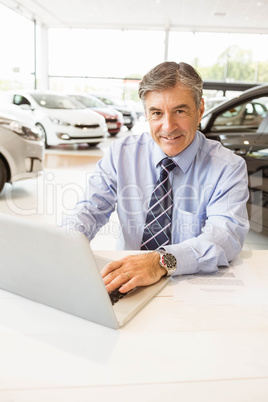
[
  {"x": 94, "y": 144},
  {"x": 43, "y": 134},
  {"x": 3, "y": 174}
]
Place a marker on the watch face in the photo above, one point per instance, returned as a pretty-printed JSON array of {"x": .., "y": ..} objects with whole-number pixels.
[{"x": 169, "y": 260}]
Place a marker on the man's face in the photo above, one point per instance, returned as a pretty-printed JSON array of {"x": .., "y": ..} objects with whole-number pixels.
[{"x": 173, "y": 118}]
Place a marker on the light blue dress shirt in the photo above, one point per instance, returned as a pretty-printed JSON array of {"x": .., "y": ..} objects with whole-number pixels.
[{"x": 210, "y": 192}]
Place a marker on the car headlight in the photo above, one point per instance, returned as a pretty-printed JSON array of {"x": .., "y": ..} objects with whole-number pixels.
[
  {"x": 27, "y": 132},
  {"x": 60, "y": 122}
]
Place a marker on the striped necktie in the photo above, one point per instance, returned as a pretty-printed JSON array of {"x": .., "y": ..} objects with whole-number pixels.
[{"x": 157, "y": 229}]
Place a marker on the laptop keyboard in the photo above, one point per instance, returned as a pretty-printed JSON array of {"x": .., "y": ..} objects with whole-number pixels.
[{"x": 115, "y": 295}]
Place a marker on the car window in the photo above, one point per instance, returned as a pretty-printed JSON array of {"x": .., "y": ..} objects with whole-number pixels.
[
  {"x": 247, "y": 116},
  {"x": 20, "y": 100},
  {"x": 97, "y": 102},
  {"x": 88, "y": 102},
  {"x": 112, "y": 101},
  {"x": 260, "y": 109},
  {"x": 234, "y": 111},
  {"x": 214, "y": 101},
  {"x": 107, "y": 101},
  {"x": 53, "y": 101},
  {"x": 249, "y": 109}
]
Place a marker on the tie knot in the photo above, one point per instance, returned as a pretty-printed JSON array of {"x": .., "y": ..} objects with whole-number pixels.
[{"x": 167, "y": 165}]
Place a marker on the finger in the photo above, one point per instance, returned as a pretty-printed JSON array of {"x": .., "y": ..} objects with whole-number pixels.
[
  {"x": 126, "y": 287},
  {"x": 112, "y": 266},
  {"x": 117, "y": 281},
  {"x": 113, "y": 276}
]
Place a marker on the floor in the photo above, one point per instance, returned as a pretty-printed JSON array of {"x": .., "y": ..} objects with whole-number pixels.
[{"x": 62, "y": 183}]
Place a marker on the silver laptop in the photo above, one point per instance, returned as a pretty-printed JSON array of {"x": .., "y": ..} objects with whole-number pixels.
[{"x": 45, "y": 264}]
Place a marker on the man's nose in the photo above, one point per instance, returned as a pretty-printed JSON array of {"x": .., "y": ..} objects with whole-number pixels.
[{"x": 169, "y": 123}]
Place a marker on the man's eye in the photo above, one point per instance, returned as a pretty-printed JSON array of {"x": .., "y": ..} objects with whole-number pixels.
[
  {"x": 180, "y": 111},
  {"x": 155, "y": 115}
]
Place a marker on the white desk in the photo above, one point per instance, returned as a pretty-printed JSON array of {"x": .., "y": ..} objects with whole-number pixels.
[{"x": 169, "y": 351}]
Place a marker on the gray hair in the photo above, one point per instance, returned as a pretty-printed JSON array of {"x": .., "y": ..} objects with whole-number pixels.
[{"x": 167, "y": 75}]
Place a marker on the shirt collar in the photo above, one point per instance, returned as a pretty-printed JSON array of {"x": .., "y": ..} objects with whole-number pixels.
[
  {"x": 158, "y": 154},
  {"x": 184, "y": 159}
]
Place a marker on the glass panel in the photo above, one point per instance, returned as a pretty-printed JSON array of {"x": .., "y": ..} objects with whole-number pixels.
[
  {"x": 20, "y": 100},
  {"x": 56, "y": 101},
  {"x": 245, "y": 117}
]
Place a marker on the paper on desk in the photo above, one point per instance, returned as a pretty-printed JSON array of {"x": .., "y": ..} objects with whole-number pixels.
[{"x": 231, "y": 285}]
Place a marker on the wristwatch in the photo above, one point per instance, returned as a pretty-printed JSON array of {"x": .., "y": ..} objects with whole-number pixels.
[{"x": 167, "y": 261}]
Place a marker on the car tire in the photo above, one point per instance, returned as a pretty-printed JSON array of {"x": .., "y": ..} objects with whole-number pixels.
[
  {"x": 43, "y": 134},
  {"x": 93, "y": 144},
  {"x": 3, "y": 174}
]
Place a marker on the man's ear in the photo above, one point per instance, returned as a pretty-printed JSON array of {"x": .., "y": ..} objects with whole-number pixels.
[{"x": 201, "y": 109}]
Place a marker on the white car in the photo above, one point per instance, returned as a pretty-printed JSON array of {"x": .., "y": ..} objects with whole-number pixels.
[
  {"x": 60, "y": 119},
  {"x": 21, "y": 148}
]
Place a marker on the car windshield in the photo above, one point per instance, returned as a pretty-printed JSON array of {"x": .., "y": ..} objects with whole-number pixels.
[
  {"x": 214, "y": 101},
  {"x": 52, "y": 101},
  {"x": 113, "y": 101},
  {"x": 88, "y": 102}
]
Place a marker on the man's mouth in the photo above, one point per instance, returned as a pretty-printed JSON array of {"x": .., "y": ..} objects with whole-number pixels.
[{"x": 171, "y": 138}]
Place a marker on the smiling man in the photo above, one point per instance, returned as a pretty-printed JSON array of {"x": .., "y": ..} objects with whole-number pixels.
[
  {"x": 178, "y": 195},
  {"x": 173, "y": 117}
]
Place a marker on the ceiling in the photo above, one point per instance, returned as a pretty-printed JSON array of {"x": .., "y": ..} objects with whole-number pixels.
[{"x": 245, "y": 16}]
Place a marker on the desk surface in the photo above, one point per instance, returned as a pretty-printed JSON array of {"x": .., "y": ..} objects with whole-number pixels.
[{"x": 169, "y": 350}]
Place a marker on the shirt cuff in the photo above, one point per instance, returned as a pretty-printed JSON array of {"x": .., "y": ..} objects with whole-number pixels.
[{"x": 186, "y": 259}]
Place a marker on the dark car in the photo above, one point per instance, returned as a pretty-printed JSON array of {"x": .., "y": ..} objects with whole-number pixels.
[
  {"x": 241, "y": 124},
  {"x": 236, "y": 122},
  {"x": 129, "y": 115}
]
